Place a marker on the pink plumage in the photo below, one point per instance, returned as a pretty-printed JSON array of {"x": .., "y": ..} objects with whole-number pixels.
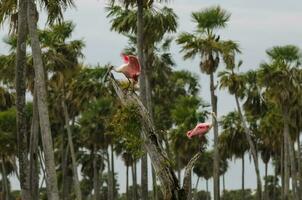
[
  {"x": 131, "y": 67},
  {"x": 200, "y": 130}
]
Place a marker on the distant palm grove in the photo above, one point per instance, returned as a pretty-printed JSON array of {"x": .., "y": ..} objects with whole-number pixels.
[{"x": 64, "y": 124}]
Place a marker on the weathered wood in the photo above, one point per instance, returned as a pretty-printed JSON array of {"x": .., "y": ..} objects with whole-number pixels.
[
  {"x": 159, "y": 159},
  {"x": 187, "y": 175}
]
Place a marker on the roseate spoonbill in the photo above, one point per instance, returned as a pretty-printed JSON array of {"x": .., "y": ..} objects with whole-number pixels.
[
  {"x": 131, "y": 68},
  {"x": 200, "y": 130}
]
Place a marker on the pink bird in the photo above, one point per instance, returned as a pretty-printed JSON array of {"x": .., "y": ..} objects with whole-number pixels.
[
  {"x": 200, "y": 130},
  {"x": 131, "y": 68}
]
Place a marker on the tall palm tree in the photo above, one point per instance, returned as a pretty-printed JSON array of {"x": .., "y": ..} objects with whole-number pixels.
[
  {"x": 235, "y": 84},
  {"x": 51, "y": 179},
  {"x": 164, "y": 21},
  {"x": 61, "y": 58},
  {"x": 203, "y": 168},
  {"x": 232, "y": 139},
  {"x": 279, "y": 77},
  {"x": 16, "y": 12},
  {"x": 8, "y": 147},
  {"x": 206, "y": 43},
  {"x": 270, "y": 126}
]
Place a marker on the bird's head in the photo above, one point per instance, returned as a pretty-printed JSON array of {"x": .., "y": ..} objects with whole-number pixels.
[{"x": 125, "y": 58}]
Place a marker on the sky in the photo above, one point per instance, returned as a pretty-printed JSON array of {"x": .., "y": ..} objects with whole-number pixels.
[{"x": 256, "y": 25}]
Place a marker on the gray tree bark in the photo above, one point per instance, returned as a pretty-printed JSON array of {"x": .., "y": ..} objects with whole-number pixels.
[
  {"x": 252, "y": 147},
  {"x": 216, "y": 152},
  {"x": 196, "y": 188},
  {"x": 155, "y": 197},
  {"x": 51, "y": 178},
  {"x": 65, "y": 183},
  {"x": 299, "y": 157},
  {"x": 109, "y": 179},
  {"x": 127, "y": 183},
  {"x": 282, "y": 170},
  {"x": 20, "y": 81},
  {"x": 96, "y": 180},
  {"x": 291, "y": 154},
  {"x": 112, "y": 171},
  {"x": 76, "y": 180},
  {"x": 242, "y": 178},
  {"x": 33, "y": 150},
  {"x": 265, "y": 183},
  {"x": 134, "y": 181},
  {"x": 143, "y": 78},
  {"x": 162, "y": 165},
  {"x": 4, "y": 180}
]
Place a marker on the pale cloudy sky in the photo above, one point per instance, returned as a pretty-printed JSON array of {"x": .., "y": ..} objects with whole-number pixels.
[{"x": 257, "y": 25}]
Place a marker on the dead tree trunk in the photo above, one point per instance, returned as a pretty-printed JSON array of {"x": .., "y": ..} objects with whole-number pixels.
[{"x": 162, "y": 165}]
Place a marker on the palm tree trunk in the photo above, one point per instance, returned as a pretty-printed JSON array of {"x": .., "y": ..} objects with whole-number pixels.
[
  {"x": 112, "y": 172},
  {"x": 265, "y": 183},
  {"x": 178, "y": 169},
  {"x": 101, "y": 179},
  {"x": 275, "y": 183},
  {"x": 242, "y": 178},
  {"x": 96, "y": 183},
  {"x": 22, "y": 132},
  {"x": 109, "y": 179},
  {"x": 144, "y": 176},
  {"x": 196, "y": 188},
  {"x": 127, "y": 182},
  {"x": 282, "y": 170},
  {"x": 64, "y": 172},
  {"x": 207, "y": 188},
  {"x": 51, "y": 178},
  {"x": 134, "y": 184},
  {"x": 33, "y": 149},
  {"x": 144, "y": 93},
  {"x": 163, "y": 168},
  {"x": 189, "y": 196},
  {"x": 216, "y": 153},
  {"x": 299, "y": 165},
  {"x": 154, "y": 184},
  {"x": 77, "y": 187},
  {"x": 4, "y": 180},
  {"x": 252, "y": 147},
  {"x": 291, "y": 154},
  {"x": 286, "y": 167},
  {"x": 223, "y": 181}
]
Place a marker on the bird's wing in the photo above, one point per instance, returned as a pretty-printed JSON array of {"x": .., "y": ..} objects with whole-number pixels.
[{"x": 134, "y": 64}]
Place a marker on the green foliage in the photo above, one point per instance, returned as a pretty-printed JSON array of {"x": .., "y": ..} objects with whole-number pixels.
[
  {"x": 232, "y": 140},
  {"x": 237, "y": 195},
  {"x": 204, "y": 166},
  {"x": 203, "y": 195},
  {"x": 127, "y": 126},
  {"x": 124, "y": 21},
  {"x": 211, "y": 18}
]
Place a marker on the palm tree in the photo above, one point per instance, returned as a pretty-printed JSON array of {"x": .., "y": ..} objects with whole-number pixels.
[
  {"x": 203, "y": 168},
  {"x": 13, "y": 10},
  {"x": 269, "y": 129},
  {"x": 235, "y": 84},
  {"x": 163, "y": 21},
  {"x": 61, "y": 58},
  {"x": 279, "y": 77},
  {"x": 232, "y": 139},
  {"x": 207, "y": 44},
  {"x": 8, "y": 147},
  {"x": 51, "y": 179}
]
